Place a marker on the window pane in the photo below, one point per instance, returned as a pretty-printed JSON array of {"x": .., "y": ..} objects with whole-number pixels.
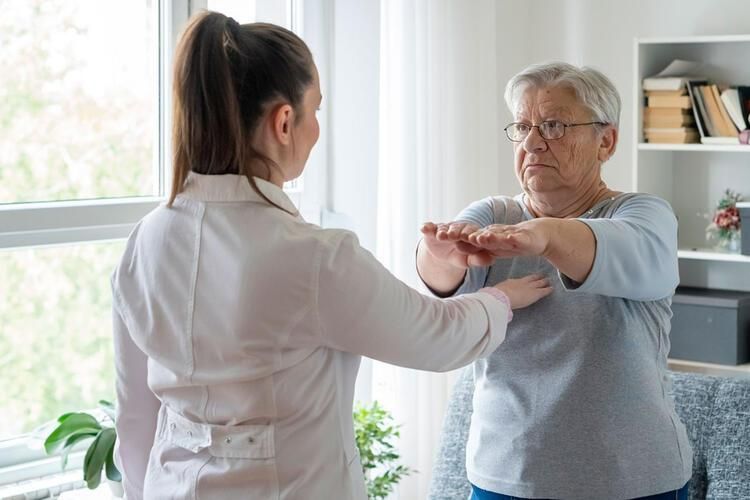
[
  {"x": 55, "y": 332},
  {"x": 78, "y": 94},
  {"x": 250, "y": 11}
]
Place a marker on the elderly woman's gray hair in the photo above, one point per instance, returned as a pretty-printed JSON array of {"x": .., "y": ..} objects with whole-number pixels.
[{"x": 593, "y": 89}]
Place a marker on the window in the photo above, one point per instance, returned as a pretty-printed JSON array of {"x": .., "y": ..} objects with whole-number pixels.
[
  {"x": 78, "y": 91},
  {"x": 81, "y": 160},
  {"x": 84, "y": 155}
]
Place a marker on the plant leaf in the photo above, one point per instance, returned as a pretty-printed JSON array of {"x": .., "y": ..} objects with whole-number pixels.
[
  {"x": 96, "y": 457},
  {"x": 74, "y": 423},
  {"x": 113, "y": 474},
  {"x": 64, "y": 416},
  {"x": 70, "y": 443},
  {"x": 87, "y": 461}
]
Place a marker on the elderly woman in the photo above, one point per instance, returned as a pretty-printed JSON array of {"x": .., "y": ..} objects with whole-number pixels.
[{"x": 574, "y": 404}]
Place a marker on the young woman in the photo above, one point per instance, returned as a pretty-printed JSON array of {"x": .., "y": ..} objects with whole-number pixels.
[{"x": 238, "y": 326}]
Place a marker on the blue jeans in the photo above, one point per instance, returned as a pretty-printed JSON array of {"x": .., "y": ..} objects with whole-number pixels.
[{"x": 480, "y": 494}]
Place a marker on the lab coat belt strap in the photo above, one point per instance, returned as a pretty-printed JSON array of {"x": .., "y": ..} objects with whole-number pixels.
[{"x": 230, "y": 441}]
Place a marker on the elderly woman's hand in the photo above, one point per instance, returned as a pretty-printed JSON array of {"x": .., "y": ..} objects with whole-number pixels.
[
  {"x": 448, "y": 242},
  {"x": 526, "y": 238}
]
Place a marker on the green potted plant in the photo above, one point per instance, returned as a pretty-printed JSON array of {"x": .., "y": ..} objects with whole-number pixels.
[
  {"x": 374, "y": 433},
  {"x": 73, "y": 428}
]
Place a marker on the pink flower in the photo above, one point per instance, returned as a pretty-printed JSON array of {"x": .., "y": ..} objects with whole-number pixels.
[{"x": 727, "y": 218}]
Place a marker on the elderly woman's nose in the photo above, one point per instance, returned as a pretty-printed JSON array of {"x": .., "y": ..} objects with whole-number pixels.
[{"x": 534, "y": 141}]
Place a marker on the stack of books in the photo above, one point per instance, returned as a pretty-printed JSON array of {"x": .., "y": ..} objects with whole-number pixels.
[
  {"x": 689, "y": 109},
  {"x": 668, "y": 115}
]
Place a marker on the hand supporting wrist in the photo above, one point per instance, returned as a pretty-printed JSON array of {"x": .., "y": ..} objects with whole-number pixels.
[{"x": 501, "y": 296}]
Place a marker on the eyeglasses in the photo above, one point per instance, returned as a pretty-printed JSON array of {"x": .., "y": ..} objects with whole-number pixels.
[{"x": 550, "y": 130}]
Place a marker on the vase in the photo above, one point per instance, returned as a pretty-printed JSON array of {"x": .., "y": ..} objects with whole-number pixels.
[{"x": 729, "y": 243}]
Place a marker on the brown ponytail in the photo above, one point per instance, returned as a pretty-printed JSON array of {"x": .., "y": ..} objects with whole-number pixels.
[{"x": 224, "y": 76}]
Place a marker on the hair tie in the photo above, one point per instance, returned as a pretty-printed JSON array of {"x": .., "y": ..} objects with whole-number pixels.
[{"x": 233, "y": 25}]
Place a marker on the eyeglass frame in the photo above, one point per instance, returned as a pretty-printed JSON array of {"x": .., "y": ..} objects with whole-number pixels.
[{"x": 565, "y": 127}]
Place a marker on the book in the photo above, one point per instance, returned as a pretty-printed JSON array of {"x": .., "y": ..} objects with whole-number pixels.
[
  {"x": 666, "y": 112},
  {"x": 698, "y": 112},
  {"x": 674, "y": 77},
  {"x": 743, "y": 92},
  {"x": 731, "y": 99},
  {"x": 678, "y": 135},
  {"x": 669, "y": 101},
  {"x": 728, "y": 124},
  {"x": 656, "y": 121},
  {"x": 720, "y": 140},
  {"x": 652, "y": 93},
  {"x": 710, "y": 129},
  {"x": 714, "y": 114}
]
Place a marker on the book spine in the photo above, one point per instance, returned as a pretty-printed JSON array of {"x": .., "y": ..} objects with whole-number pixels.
[
  {"x": 728, "y": 124},
  {"x": 696, "y": 110},
  {"x": 713, "y": 111}
]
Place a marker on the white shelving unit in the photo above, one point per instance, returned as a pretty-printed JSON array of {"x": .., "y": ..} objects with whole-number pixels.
[{"x": 692, "y": 177}]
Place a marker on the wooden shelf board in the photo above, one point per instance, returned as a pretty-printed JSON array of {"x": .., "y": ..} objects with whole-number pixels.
[
  {"x": 682, "y": 365},
  {"x": 703, "y": 148},
  {"x": 708, "y": 254},
  {"x": 694, "y": 39}
]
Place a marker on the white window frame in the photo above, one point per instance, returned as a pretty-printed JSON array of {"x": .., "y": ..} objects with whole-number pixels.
[{"x": 25, "y": 225}]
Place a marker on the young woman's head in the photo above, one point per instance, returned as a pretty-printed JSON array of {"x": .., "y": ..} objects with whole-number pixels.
[{"x": 244, "y": 101}]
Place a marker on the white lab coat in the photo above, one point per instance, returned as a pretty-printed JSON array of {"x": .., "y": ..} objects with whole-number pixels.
[{"x": 238, "y": 330}]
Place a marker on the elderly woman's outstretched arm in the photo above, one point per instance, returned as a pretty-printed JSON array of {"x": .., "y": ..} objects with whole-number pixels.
[{"x": 637, "y": 247}]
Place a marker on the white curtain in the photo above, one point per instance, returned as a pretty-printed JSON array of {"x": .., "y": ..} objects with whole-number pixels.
[{"x": 439, "y": 133}]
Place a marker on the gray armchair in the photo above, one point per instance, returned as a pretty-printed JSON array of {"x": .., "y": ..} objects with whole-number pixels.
[{"x": 715, "y": 410}]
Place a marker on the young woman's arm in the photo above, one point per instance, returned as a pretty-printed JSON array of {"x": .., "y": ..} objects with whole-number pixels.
[
  {"x": 137, "y": 410},
  {"x": 364, "y": 309}
]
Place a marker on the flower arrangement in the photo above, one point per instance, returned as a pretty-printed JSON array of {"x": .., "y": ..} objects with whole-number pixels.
[{"x": 724, "y": 229}]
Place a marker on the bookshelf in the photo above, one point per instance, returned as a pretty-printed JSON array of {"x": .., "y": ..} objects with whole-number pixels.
[{"x": 692, "y": 177}]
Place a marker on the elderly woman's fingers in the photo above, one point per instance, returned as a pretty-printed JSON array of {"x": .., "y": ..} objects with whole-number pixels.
[
  {"x": 483, "y": 234},
  {"x": 428, "y": 229},
  {"x": 468, "y": 230},
  {"x": 455, "y": 230},
  {"x": 501, "y": 239},
  {"x": 450, "y": 231},
  {"x": 441, "y": 232}
]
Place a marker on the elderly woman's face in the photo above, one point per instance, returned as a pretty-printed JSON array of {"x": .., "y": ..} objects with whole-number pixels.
[{"x": 570, "y": 163}]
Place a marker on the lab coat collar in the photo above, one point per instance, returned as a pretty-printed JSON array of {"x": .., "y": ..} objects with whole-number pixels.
[{"x": 231, "y": 187}]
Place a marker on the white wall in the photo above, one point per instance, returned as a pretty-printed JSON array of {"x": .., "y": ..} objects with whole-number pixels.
[
  {"x": 600, "y": 33},
  {"x": 353, "y": 110}
]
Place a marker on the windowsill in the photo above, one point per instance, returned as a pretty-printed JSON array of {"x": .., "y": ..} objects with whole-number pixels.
[
  {"x": 44, "y": 487},
  {"x": 65, "y": 486}
]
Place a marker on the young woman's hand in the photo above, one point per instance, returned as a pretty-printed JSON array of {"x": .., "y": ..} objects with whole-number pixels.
[{"x": 525, "y": 291}]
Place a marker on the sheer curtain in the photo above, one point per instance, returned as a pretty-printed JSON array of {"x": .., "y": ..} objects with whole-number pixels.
[{"x": 438, "y": 133}]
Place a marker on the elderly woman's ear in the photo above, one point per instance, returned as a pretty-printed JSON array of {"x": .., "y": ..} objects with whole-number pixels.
[{"x": 608, "y": 143}]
